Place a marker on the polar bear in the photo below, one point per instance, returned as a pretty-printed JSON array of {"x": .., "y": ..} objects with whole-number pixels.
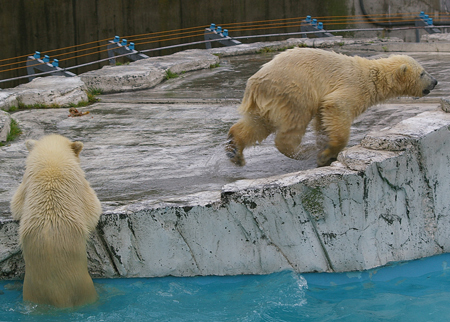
[
  {"x": 57, "y": 210},
  {"x": 302, "y": 84}
]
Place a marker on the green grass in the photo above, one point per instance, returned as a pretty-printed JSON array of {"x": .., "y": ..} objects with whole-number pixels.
[
  {"x": 214, "y": 65},
  {"x": 170, "y": 74},
  {"x": 275, "y": 49},
  {"x": 13, "y": 133},
  {"x": 266, "y": 50},
  {"x": 92, "y": 94}
]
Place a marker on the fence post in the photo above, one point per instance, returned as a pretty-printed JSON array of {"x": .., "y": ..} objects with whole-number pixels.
[
  {"x": 35, "y": 62},
  {"x": 217, "y": 34},
  {"x": 114, "y": 47},
  {"x": 424, "y": 21},
  {"x": 309, "y": 25}
]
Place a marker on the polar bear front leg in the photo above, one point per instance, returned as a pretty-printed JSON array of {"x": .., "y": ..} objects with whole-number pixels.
[{"x": 335, "y": 123}]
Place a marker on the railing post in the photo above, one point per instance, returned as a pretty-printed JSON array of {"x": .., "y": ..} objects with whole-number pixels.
[
  {"x": 424, "y": 21},
  {"x": 219, "y": 35},
  {"x": 35, "y": 62},
  {"x": 120, "y": 48},
  {"x": 309, "y": 25}
]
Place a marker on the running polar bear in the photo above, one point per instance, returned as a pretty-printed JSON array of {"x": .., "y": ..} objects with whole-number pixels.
[{"x": 303, "y": 83}]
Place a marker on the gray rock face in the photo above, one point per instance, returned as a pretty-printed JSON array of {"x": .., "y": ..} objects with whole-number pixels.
[
  {"x": 445, "y": 105},
  {"x": 174, "y": 205},
  {"x": 51, "y": 90},
  {"x": 147, "y": 73},
  {"x": 5, "y": 121},
  {"x": 442, "y": 37},
  {"x": 369, "y": 208},
  {"x": 328, "y": 219}
]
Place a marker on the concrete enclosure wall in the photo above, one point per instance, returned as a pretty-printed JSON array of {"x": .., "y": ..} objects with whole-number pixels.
[{"x": 384, "y": 200}]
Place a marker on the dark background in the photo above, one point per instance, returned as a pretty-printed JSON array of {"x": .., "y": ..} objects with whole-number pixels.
[{"x": 44, "y": 25}]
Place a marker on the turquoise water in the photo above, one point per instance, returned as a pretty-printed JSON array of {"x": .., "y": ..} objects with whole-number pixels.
[{"x": 412, "y": 291}]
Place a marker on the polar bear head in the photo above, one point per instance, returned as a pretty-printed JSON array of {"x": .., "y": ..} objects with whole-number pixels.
[
  {"x": 411, "y": 77},
  {"x": 55, "y": 139}
]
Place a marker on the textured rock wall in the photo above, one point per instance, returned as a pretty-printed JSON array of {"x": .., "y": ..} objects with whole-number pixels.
[
  {"x": 384, "y": 200},
  {"x": 5, "y": 125},
  {"x": 51, "y": 90},
  {"x": 147, "y": 73}
]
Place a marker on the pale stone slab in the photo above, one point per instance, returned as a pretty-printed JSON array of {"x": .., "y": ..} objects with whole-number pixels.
[
  {"x": 51, "y": 90},
  {"x": 389, "y": 208},
  {"x": 445, "y": 105},
  {"x": 435, "y": 37},
  {"x": 147, "y": 73},
  {"x": 8, "y": 98},
  {"x": 402, "y": 135},
  {"x": 5, "y": 125}
]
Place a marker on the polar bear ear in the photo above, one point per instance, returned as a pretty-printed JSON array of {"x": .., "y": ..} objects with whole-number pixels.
[
  {"x": 30, "y": 144},
  {"x": 401, "y": 72},
  {"x": 403, "y": 68},
  {"x": 76, "y": 146}
]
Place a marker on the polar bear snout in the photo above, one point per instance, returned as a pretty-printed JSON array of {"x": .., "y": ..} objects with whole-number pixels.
[{"x": 432, "y": 84}]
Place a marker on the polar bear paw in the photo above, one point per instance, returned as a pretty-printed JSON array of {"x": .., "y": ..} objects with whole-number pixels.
[{"x": 233, "y": 153}]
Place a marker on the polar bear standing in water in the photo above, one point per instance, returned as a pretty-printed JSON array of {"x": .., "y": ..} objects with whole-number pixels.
[
  {"x": 302, "y": 84},
  {"x": 57, "y": 210}
]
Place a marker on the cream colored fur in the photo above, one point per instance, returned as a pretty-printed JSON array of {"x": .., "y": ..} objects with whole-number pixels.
[
  {"x": 301, "y": 84},
  {"x": 57, "y": 210}
]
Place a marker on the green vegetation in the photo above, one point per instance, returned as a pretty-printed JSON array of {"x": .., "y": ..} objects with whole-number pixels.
[
  {"x": 170, "y": 74},
  {"x": 22, "y": 106},
  {"x": 214, "y": 65},
  {"x": 13, "y": 133},
  {"x": 274, "y": 49},
  {"x": 92, "y": 94},
  {"x": 312, "y": 201},
  {"x": 266, "y": 50},
  {"x": 286, "y": 48}
]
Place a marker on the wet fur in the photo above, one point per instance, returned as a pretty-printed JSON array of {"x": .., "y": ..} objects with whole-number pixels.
[
  {"x": 57, "y": 210},
  {"x": 302, "y": 84}
]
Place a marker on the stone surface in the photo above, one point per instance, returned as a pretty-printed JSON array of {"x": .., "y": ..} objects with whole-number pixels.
[
  {"x": 51, "y": 90},
  {"x": 369, "y": 208},
  {"x": 403, "y": 47},
  {"x": 338, "y": 41},
  {"x": 5, "y": 125},
  {"x": 328, "y": 219},
  {"x": 445, "y": 104},
  {"x": 173, "y": 204},
  {"x": 435, "y": 37},
  {"x": 402, "y": 135},
  {"x": 358, "y": 158},
  {"x": 8, "y": 98},
  {"x": 147, "y": 73}
]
